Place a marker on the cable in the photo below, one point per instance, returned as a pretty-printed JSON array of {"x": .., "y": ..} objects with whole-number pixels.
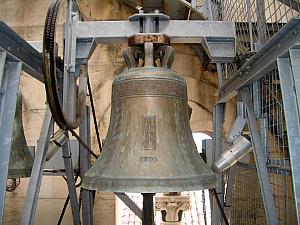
[
  {"x": 83, "y": 143},
  {"x": 66, "y": 201},
  {"x": 94, "y": 113},
  {"x": 63, "y": 210},
  {"x": 214, "y": 192}
]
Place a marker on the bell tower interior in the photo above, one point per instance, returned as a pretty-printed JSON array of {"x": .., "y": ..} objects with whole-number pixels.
[{"x": 133, "y": 112}]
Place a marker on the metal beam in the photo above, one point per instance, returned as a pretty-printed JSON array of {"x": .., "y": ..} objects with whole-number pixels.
[
  {"x": 180, "y": 31},
  {"x": 131, "y": 204},
  {"x": 37, "y": 171},
  {"x": 289, "y": 71},
  {"x": 218, "y": 38},
  {"x": 84, "y": 50},
  {"x": 263, "y": 61},
  {"x": 67, "y": 156},
  {"x": 85, "y": 164},
  {"x": 261, "y": 22},
  {"x": 10, "y": 78},
  {"x": 19, "y": 50},
  {"x": 236, "y": 129},
  {"x": 261, "y": 167},
  {"x": 219, "y": 50},
  {"x": 217, "y": 142}
]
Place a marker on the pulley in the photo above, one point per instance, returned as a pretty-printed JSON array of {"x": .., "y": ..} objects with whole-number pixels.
[{"x": 66, "y": 99}]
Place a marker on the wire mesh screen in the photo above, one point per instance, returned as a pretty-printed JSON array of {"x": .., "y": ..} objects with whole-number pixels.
[
  {"x": 216, "y": 9},
  {"x": 257, "y": 20},
  {"x": 246, "y": 206},
  {"x": 275, "y": 145}
]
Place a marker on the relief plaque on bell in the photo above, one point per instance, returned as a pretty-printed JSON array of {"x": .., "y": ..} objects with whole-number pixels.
[{"x": 149, "y": 141}]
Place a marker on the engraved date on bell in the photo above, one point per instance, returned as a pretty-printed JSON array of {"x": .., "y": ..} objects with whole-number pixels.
[
  {"x": 149, "y": 159},
  {"x": 149, "y": 131}
]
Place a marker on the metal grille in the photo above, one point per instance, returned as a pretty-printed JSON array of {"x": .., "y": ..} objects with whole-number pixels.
[
  {"x": 228, "y": 69},
  {"x": 216, "y": 9},
  {"x": 247, "y": 206},
  {"x": 275, "y": 144},
  {"x": 257, "y": 20}
]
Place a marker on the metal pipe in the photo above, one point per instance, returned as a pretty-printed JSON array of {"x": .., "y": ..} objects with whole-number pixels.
[
  {"x": 148, "y": 48},
  {"x": 148, "y": 25},
  {"x": 214, "y": 192},
  {"x": 148, "y": 213}
]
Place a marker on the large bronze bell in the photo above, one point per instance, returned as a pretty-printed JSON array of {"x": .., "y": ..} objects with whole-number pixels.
[
  {"x": 149, "y": 146},
  {"x": 20, "y": 159}
]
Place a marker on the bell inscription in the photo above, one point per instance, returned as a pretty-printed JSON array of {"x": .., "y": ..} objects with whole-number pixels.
[
  {"x": 149, "y": 159},
  {"x": 149, "y": 142}
]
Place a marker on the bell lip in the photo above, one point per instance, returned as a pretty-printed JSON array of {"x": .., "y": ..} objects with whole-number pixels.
[
  {"x": 18, "y": 173},
  {"x": 154, "y": 185}
]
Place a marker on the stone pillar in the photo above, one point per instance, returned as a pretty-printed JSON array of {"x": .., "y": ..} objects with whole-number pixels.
[{"x": 172, "y": 206}]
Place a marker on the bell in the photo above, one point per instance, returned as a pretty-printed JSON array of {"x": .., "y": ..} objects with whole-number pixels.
[
  {"x": 149, "y": 147},
  {"x": 20, "y": 159}
]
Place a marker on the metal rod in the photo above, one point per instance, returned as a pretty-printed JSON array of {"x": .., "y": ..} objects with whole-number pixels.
[
  {"x": 86, "y": 147},
  {"x": 63, "y": 210},
  {"x": 214, "y": 192},
  {"x": 288, "y": 69},
  {"x": 249, "y": 14},
  {"x": 85, "y": 164},
  {"x": 130, "y": 204},
  {"x": 94, "y": 114},
  {"x": 31, "y": 59},
  {"x": 67, "y": 156},
  {"x": 218, "y": 117},
  {"x": 262, "y": 171},
  {"x": 148, "y": 49},
  {"x": 9, "y": 86},
  {"x": 220, "y": 74},
  {"x": 261, "y": 22},
  {"x": 148, "y": 213}
]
